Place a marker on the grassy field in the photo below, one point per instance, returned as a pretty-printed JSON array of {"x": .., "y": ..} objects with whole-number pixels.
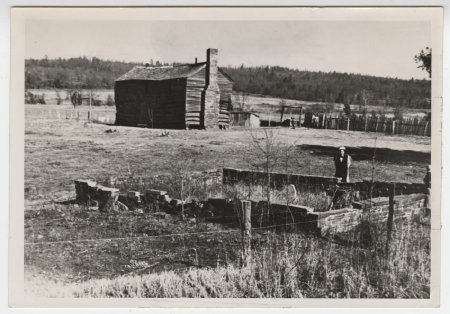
[
  {"x": 58, "y": 151},
  {"x": 267, "y": 106},
  {"x": 264, "y": 106}
]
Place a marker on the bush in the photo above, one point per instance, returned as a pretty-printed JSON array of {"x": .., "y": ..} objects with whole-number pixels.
[
  {"x": 398, "y": 113},
  {"x": 58, "y": 98},
  {"x": 347, "y": 109},
  {"x": 33, "y": 99},
  {"x": 96, "y": 102},
  {"x": 110, "y": 101}
]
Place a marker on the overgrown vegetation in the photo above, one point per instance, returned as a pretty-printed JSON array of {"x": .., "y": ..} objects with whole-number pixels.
[
  {"x": 283, "y": 266},
  {"x": 287, "y": 195}
]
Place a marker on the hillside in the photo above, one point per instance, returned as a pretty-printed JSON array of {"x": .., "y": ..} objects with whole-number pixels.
[
  {"x": 271, "y": 81},
  {"x": 331, "y": 87}
]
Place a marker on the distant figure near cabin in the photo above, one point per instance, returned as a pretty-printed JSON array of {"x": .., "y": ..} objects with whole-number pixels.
[
  {"x": 342, "y": 162},
  {"x": 315, "y": 120},
  {"x": 292, "y": 122}
]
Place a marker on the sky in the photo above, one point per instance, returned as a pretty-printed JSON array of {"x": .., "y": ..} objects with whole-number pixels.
[{"x": 379, "y": 48}]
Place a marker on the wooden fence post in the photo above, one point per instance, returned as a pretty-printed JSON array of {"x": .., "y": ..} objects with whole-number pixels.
[
  {"x": 90, "y": 105},
  {"x": 390, "y": 215},
  {"x": 425, "y": 130},
  {"x": 246, "y": 229},
  {"x": 348, "y": 124},
  {"x": 393, "y": 126}
]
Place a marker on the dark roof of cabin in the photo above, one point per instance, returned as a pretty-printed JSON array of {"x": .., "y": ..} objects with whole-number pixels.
[{"x": 162, "y": 73}]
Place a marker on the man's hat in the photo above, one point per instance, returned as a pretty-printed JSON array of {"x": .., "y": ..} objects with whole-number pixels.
[{"x": 342, "y": 148}]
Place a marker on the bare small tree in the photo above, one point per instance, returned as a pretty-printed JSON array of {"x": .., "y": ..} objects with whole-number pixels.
[
  {"x": 182, "y": 173},
  {"x": 267, "y": 152},
  {"x": 242, "y": 101}
]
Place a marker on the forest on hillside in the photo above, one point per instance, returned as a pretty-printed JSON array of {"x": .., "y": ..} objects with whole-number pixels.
[
  {"x": 332, "y": 86},
  {"x": 272, "y": 81}
]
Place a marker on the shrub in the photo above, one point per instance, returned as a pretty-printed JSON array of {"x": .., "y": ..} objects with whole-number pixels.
[
  {"x": 347, "y": 109},
  {"x": 33, "y": 99},
  {"x": 110, "y": 101},
  {"x": 398, "y": 113},
  {"x": 58, "y": 98}
]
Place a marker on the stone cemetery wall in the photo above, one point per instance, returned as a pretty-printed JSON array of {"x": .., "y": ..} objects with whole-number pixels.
[
  {"x": 375, "y": 211},
  {"x": 301, "y": 182}
]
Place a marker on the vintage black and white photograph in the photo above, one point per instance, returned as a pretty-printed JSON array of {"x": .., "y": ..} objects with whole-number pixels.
[{"x": 259, "y": 153}]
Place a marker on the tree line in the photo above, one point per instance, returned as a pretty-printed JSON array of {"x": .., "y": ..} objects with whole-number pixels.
[
  {"x": 275, "y": 81},
  {"x": 332, "y": 87}
]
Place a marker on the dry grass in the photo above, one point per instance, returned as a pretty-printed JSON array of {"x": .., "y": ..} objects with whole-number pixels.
[
  {"x": 295, "y": 265},
  {"x": 284, "y": 266},
  {"x": 60, "y": 151},
  {"x": 318, "y": 201}
]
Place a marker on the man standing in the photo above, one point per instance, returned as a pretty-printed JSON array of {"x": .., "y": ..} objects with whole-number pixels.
[{"x": 342, "y": 163}]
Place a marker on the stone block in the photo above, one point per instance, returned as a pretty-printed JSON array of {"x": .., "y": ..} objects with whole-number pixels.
[
  {"x": 92, "y": 190},
  {"x": 153, "y": 195},
  {"x": 152, "y": 199},
  {"x": 107, "y": 198},
  {"x": 133, "y": 199},
  {"x": 85, "y": 191}
]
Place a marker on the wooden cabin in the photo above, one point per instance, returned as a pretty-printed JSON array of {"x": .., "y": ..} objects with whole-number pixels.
[{"x": 194, "y": 95}]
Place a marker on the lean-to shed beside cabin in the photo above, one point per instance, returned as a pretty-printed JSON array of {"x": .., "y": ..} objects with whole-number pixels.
[
  {"x": 244, "y": 119},
  {"x": 194, "y": 95}
]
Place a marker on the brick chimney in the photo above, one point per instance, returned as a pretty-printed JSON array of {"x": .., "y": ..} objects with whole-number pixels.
[{"x": 211, "y": 92}]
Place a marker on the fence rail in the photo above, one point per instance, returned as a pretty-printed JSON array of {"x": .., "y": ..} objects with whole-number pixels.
[
  {"x": 411, "y": 126},
  {"x": 83, "y": 114}
]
